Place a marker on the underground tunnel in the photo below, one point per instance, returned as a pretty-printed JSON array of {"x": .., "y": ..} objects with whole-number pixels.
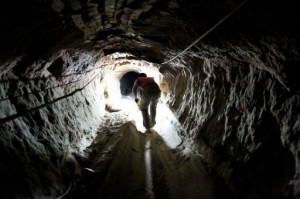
[
  {"x": 227, "y": 124},
  {"x": 127, "y": 81}
]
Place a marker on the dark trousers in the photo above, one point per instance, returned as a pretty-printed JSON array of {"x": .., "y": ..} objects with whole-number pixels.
[{"x": 150, "y": 97}]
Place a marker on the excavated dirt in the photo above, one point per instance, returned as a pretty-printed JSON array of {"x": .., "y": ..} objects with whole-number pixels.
[{"x": 127, "y": 163}]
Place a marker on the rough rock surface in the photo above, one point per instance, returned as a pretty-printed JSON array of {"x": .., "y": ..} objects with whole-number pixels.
[
  {"x": 236, "y": 93},
  {"x": 45, "y": 121},
  {"x": 238, "y": 113}
]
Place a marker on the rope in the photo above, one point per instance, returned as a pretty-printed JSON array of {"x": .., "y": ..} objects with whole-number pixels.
[
  {"x": 70, "y": 185},
  {"x": 48, "y": 88},
  {"x": 40, "y": 91},
  {"x": 210, "y": 30},
  {"x": 12, "y": 117},
  {"x": 49, "y": 77}
]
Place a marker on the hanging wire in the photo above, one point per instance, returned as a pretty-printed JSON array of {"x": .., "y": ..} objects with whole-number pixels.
[
  {"x": 11, "y": 117},
  {"x": 207, "y": 32},
  {"x": 43, "y": 90}
]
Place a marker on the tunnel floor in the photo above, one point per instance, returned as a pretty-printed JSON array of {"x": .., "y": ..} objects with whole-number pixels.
[{"x": 124, "y": 162}]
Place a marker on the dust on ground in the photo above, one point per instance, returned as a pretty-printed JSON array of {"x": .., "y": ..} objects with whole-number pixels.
[{"x": 124, "y": 162}]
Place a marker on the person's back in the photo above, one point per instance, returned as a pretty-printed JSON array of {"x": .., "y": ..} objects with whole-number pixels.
[
  {"x": 145, "y": 81},
  {"x": 150, "y": 96}
]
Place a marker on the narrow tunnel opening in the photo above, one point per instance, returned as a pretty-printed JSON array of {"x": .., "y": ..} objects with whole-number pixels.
[
  {"x": 118, "y": 83},
  {"x": 127, "y": 81},
  {"x": 122, "y": 132}
]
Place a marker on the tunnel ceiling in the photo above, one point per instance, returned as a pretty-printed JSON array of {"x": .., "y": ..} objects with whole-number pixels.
[{"x": 153, "y": 30}]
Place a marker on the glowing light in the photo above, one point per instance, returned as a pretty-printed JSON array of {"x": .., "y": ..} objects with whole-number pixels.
[{"x": 166, "y": 126}]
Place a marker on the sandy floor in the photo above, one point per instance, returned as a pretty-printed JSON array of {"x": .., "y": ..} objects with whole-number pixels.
[{"x": 126, "y": 163}]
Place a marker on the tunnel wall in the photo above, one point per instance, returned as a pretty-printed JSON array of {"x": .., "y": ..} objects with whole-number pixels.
[
  {"x": 246, "y": 93},
  {"x": 39, "y": 147},
  {"x": 241, "y": 107}
]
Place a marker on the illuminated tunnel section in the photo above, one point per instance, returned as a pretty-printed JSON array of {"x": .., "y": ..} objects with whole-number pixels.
[{"x": 231, "y": 101}]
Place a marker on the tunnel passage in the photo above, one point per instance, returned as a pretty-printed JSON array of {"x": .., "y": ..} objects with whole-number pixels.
[
  {"x": 127, "y": 81},
  {"x": 235, "y": 89}
]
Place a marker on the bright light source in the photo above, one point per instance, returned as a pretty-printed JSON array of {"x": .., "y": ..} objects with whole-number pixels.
[{"x": 166, "y": 126}]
